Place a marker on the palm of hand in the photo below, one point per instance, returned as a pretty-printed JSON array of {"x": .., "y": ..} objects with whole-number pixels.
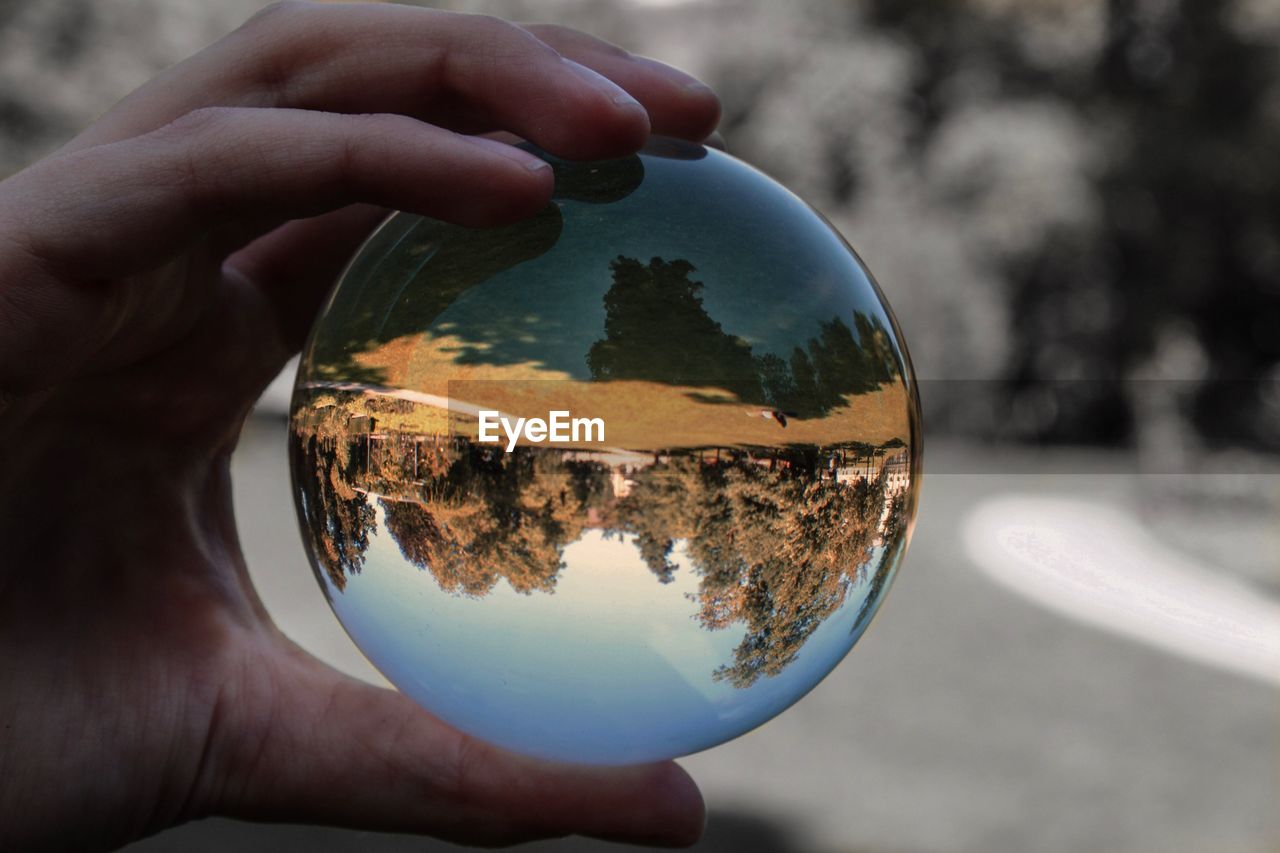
[{"x": 142, "y": 611}]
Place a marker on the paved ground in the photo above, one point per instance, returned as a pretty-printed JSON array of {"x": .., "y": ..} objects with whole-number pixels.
[{"x": 968, "y": 718}]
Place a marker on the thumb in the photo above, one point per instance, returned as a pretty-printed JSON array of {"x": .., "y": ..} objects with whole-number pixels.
[{"x": 329, "y": 749}]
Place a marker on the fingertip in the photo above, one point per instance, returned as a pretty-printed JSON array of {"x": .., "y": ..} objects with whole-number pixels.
[
  {"x": 703, "y": 110},
  {"x": 666, "y": 808},
  {"x": 610, "y": 130},
  {"x": 687, "y": 107},
  {"x": 522, "y": 158},
  {"x": 610, "y": 121},
  {"x": 634, "y": 124},
  {"x": 716, "y": 141},
  {"x": 519, "y": 185},
  {"x": 627, "y": 134},
  {"x": 687, "y": 807}
]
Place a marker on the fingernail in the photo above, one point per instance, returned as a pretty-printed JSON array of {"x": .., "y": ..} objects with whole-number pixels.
[
  {"x": 616, "y": 93},
  {"x": 524, "y": 158}
]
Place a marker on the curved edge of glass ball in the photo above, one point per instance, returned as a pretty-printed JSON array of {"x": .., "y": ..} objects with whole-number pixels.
[{"x": 583, "y": 182}]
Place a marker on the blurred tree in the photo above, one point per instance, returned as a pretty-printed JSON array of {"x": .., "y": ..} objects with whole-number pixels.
[
  {"x": 1192, "y": 201},
  {"x": 1187, "y": 193}
]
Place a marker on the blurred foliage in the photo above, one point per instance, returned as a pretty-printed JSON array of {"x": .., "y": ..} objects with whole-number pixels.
[{"x": 1071, "y": 204}]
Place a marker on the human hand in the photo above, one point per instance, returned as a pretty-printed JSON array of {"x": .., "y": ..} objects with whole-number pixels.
[{"x": 154, "y": 275}]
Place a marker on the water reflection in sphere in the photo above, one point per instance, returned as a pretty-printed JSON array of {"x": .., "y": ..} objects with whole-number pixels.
[{"x": 646, "y": 593}]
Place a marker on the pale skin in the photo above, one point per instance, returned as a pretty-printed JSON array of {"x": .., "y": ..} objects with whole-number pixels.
[{"x": 155, "y": 274}]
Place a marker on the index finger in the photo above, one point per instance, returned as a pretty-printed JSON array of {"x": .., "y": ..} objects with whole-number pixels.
[{"x": 468, "y": 73}]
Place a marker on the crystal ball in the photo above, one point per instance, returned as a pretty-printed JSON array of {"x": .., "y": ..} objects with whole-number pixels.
[{"x": 618, "y": 482}]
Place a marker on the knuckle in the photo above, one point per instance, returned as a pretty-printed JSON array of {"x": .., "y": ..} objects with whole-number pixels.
[
  {"x": 496, "y": 37},
  {"x": 346, "y": 172},
  {"x": 565, "y": 38},
  {"x": 195, "y": 124},
  {"x": 187, "y": 145},
  {"x": 279, "y": 13},
  {"x": 281, "y": 37},
  {"x": 490, "y": 25},
  {"x": 393, "y": 125}
]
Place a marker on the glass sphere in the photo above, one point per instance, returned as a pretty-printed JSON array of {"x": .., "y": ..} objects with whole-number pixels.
[{"x": 618, "y": 482}]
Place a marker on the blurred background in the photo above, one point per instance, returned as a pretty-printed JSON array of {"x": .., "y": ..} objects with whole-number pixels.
[{"x": 1073, "y": 206}]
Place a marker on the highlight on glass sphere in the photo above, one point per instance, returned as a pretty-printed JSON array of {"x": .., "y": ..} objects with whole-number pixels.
[{"x": 616, "y": 483}]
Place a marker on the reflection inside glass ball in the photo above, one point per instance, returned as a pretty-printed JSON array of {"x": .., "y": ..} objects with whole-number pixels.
[{"x": 616, "y": 483}]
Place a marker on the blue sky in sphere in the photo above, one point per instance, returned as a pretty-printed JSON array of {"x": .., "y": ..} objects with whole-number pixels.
[{"x": 611, "y": 667}]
